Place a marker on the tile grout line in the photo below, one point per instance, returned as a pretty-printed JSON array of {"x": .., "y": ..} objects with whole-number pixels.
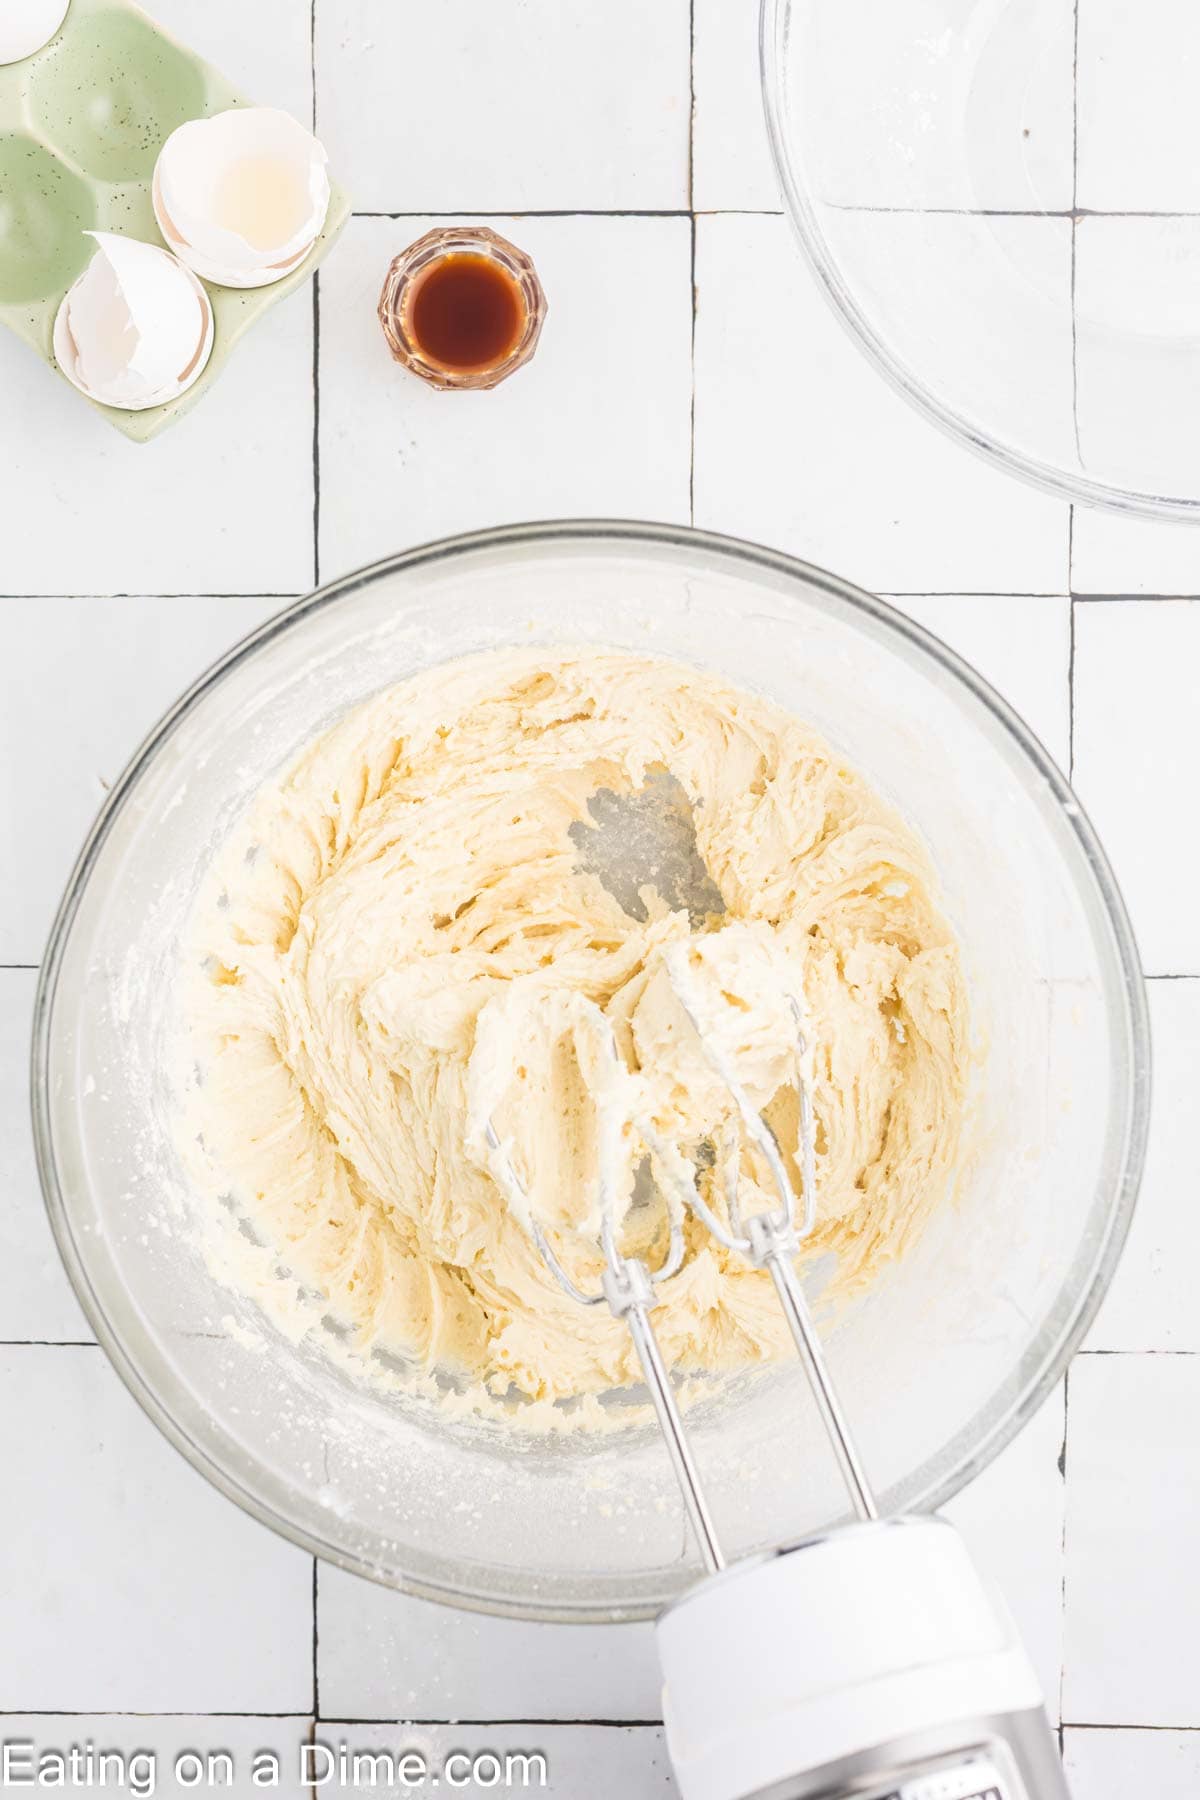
[
  {"x": 1071, "y": 689},
  {"x": 692, "y": 405},
  {"x": 1072, "y": 213},
  {"x": 316, "y": 437},
  {"x": 93, "y": 1712},
  {"x": 1062, "y": 1580},
  {"x": 881, "y": 589},
  {"x": 117, "y": 1712},
  {"x": 295, "y": 593},
  {"x": 542, "y": 212},
  {"x": 472, "y": 1724},
  {"x": 1074, "y": 231},
  {"x": 316, "y": 329},
  {"x": 691, "y": 195},
  {"x": 316, "y": 1678},
  {"x": 993, "y": 212},
  {"x": 965, "y": 593},
  {"x": 312, "y": 65},
  {"x": 1093, "y": 1725},
  {"x": 312, "y": 61}
]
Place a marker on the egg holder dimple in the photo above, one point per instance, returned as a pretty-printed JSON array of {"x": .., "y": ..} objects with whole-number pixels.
[{"x": 81, "y": 125}]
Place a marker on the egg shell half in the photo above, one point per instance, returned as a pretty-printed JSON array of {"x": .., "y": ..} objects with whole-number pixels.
[
  {"x": 136, "y": 328},
  {"x": 242, "y": 196}
]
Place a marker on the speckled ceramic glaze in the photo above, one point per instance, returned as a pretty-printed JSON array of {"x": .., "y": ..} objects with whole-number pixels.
[{"x": 81, "y": 125}]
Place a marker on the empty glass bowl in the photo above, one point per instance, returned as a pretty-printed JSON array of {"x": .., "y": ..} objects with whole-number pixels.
[{"x": 1001, "y": 198}]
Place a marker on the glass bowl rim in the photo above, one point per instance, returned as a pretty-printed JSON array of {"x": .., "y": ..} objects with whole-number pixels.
[
  {"x": 773, "y": 29},
  {"x": 535, "y": 536}
]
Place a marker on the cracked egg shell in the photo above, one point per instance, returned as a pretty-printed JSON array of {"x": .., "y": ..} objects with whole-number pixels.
[
  {"x": 241, "y": 197},
  {"x": 136, "y": 328}
]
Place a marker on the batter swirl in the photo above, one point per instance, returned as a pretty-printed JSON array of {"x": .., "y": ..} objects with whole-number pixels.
[{"x": 390, "y": 948}]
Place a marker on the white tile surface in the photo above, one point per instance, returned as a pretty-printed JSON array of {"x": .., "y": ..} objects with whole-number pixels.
[
  {"x": 1137, "y": 754},
  {"x": 381, "y": 1654},
  {"x": 1132, "y": 1573},
  {"x": 95, "y": 676},
  {"x": 137, "y": 1587},
  {"x": 597, "y": 423},
  {"x": 1012, "y": 1519},
  {"x": 435, "y": 108},
  {"x": 36, "y": 1301},
  {"x": 161, "y": 1750},
  {"x": 1117, "y": 1765},
  {"x": 809, "y": 450},
  {"x": 1021, "y": 643},
  {"x": 1111, "y": 554},
  {"x": 592, "y": 1762},
  {"x": 271, "y": 64},
  {"x": 126, "y": 1582},
  {"x": 1152, "y": 1302},
  {"x": 731, "y": 157},
  {"x": 1139, "y": 132},
  {"x": 221, "y": 503}
]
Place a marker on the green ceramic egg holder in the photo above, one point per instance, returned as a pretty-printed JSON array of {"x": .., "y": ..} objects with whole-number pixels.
[{"x": 81, "y": 125}]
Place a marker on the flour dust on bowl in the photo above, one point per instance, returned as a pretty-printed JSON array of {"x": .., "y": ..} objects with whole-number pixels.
[{"x": 944, "y": 1356}]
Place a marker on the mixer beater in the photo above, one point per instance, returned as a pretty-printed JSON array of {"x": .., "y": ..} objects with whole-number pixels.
[{"x": 874, "y": 1662}]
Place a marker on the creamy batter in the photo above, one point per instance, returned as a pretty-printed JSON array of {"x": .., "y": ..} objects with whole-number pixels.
[{"x": 402, "y": 941}]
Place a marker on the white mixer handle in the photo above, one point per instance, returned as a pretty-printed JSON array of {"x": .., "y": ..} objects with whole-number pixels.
[{"x": 871, "y": 1662}]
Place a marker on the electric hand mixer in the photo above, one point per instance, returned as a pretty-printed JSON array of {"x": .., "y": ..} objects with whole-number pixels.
[{"x": 870, "y": 1661}]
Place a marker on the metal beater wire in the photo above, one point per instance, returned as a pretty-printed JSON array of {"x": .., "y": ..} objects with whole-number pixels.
[{"x": 768, "y": 1240}]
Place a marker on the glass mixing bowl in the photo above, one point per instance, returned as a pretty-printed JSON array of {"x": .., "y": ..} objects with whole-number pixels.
[
  {"x": 941, "y": 1363},
  {"x": 1001, "y": 198}
]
